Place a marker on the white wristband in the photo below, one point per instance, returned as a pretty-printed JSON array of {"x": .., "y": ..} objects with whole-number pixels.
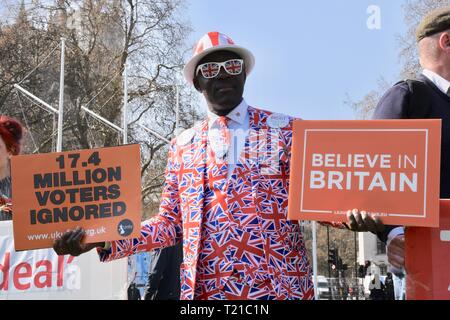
[
  {"x": 107, "y": 245},
  {"x": 394, "y": 233}
]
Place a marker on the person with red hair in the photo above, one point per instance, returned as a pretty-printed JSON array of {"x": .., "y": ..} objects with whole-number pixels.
[{"x": 10, "y": 142}]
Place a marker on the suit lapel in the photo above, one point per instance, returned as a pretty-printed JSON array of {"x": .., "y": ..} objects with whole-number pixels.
[{"x": 194, "y": 202}]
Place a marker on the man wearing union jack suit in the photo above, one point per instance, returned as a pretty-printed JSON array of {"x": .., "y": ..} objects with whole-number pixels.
[{"x": 226, "y": 193}]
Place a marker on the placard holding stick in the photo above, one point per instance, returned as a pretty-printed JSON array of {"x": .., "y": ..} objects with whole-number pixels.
[
  {"x": 387, "y": 167},
  {"x": 97, "y": 189}
]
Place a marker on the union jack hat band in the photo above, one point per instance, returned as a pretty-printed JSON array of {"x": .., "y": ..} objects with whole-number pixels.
[{"x": 216, "y": 41}]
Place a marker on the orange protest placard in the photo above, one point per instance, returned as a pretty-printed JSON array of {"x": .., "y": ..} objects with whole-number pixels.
[
  {"x": 386, "y": 167},
  {"x": 97, "y": 189}
]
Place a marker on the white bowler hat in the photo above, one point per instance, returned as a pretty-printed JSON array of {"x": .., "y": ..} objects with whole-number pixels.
[{"x": 216, "y": 41}]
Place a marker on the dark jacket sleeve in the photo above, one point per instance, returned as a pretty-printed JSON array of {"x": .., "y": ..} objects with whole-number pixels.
[{"x": 393, "y": 105}]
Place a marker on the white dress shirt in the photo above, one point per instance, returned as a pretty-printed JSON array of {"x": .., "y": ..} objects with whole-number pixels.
[
  {"x": 441, "y": 83},
  {"x": 238, "y": 126}
]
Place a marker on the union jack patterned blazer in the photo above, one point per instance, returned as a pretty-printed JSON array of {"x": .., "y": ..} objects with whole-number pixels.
[{"x": 237, "y": 241}]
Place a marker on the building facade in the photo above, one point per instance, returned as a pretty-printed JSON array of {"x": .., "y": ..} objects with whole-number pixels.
[{"x": 373, "y": 250}]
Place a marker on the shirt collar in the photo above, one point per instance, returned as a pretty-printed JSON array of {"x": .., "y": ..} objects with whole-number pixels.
[
  {"x": 237, "y": 114},
  {"x": 440, "y": 82}
]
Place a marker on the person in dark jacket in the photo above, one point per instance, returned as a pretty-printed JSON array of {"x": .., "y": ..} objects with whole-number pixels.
[
  {"x": 376, "y": 288},
  {"x": 164, "y": 274},
  {"x": 389, "y": 287},
  {"x": 133, "y": 292},
  {"x": 426, "y": 97}
]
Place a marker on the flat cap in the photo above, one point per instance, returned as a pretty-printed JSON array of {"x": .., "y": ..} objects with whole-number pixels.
[{"x": 436, "y": 21}]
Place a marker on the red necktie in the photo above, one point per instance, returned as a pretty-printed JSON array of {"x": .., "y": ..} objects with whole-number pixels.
[{"x": 224, "y": 142}]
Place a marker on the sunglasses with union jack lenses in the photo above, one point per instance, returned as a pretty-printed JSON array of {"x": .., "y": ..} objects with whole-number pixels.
[{"x": 211, "y": 69}]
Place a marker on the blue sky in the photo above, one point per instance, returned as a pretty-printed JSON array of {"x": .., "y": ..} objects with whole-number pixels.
[{"x": 309, "y": 54}]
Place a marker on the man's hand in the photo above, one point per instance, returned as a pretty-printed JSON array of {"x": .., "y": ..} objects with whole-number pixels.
[
  {"x": 70, "y": 243},
  {"x": 362, "y": 222},
  {"x": 396, "y": 251}
]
